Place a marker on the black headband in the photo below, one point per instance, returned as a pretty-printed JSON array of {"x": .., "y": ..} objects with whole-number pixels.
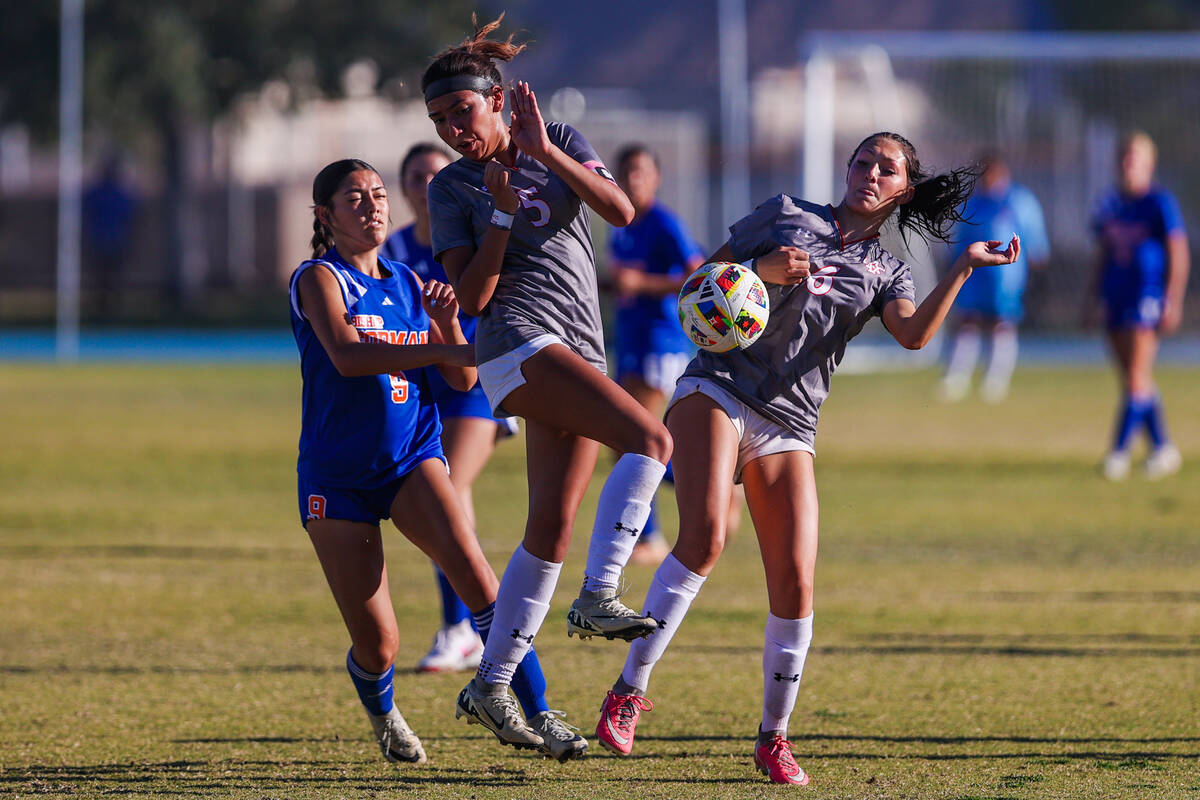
[{"x": 457, "y": 83}]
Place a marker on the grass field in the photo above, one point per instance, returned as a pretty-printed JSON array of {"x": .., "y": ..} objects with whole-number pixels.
[{"x": 993, "y": 619}]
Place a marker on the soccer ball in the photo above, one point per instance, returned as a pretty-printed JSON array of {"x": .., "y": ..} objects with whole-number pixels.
[{"x": 723, "y": 306}]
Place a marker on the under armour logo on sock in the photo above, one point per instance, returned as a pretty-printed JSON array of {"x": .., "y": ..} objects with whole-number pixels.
[
  {"x": 621, "y": 527},
  {"x": 781, "y": 677},
  {"x": 662, "y": 623},
  {"x": 516, "y": 634}
]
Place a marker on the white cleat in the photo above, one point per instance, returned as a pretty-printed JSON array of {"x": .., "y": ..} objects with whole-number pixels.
[
  {"x": 1116, "y": 465},
  {"x": 498, "y": 713},
  {"x": 456, "y": 648},
  {"x": 1164, "y": 461},
  {"x": 601, "y": 613},
  {"x": 560, "y": 740},
  {"x": 396, "y": 740}
]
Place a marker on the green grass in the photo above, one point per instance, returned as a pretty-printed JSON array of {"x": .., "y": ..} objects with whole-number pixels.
[{"x": 993, "y": 619}]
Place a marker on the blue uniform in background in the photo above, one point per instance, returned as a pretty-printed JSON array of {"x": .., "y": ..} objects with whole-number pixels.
[
  {"x": 648, "y": 326},
  {"x": 1133, "y": 235},
  {"x": 997, "y": 291},
  {"x": 360, "y": 436}
]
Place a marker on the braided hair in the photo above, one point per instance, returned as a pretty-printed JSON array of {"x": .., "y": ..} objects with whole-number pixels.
[
  {"x": 937, "y": 201},
  {"x": 324, "y": 185}
]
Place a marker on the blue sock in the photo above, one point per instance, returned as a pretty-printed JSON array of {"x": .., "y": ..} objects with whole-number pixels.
[
  {"x": 1155, "y": 425},
  {"x": 528, "y": 683},
  {"x": 375, "y": 691},
  {"x": 454, "y": 610},
  {"x": 1132, "y": 414}
]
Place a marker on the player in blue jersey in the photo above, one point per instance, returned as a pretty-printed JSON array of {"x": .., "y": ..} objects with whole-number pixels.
[
  {"x": 750, "y": 416},
  {"x": 1141, "y": 276},
  {"x": 469, "y": 431},
  {"x": 649, "y": 260},
  {"x": 510, "y": 226},
  {"x": 370, "y": 446},
  {"x": 991, "y": 301}
]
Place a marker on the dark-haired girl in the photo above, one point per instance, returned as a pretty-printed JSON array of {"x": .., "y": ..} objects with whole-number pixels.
[
  {"x": 510, "y": 225},
  {"x": 750, "y": 416},
  {"x": 370, "y": 446}
]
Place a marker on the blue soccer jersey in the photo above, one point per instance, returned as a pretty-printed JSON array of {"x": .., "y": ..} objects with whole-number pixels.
[
  {"x": 364, "y": 432},
  {"x": 403, "y": 246},
  {"x": 997, "y": 291},
  {"x": 1133, "y": 233},
  {"x": 658, "y": 244}
]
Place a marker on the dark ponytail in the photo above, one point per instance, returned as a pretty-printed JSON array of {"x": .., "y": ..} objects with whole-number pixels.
[
  {"x": 324, "y": 185},
  {"x": 937, "y": 201},
  {"x": 474, "y": 56}
]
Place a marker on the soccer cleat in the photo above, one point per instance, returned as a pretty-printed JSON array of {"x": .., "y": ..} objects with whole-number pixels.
[
  {"x": 774, "y": 759},
  {"x": 1116, "y": 465},
  {"x": 602, "y": 613},
  {"x": 1162, "y": 462},
  {"x": 618, "y": 720},
  {"x": 396, "y": 740},
  {"x": 456, "y": 648},
  {"x": 498, "y": 713},
  {"x": 559, "y": 740}
]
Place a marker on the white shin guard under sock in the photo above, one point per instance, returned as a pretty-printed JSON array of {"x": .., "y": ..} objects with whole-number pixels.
[
  {"x": 671, "y": 594},
  {"x": 521, "y": 605},
  {"x": 621, "y": 514},
  {"x": 784, "y": 650}
]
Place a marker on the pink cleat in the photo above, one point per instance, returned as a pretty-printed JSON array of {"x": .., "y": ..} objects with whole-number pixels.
[
  {"x": 618, "y": 719},
  {"x": 774, "y": 759}
]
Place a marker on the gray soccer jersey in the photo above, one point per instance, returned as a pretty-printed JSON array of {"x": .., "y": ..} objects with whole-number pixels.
[
  {"x": 547, "y": 283},
  {"x": 785, "y": 374}
]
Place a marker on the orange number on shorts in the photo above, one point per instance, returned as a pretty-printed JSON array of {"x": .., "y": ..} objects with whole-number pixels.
[
  {"x": 316, "y": 506},
  {"x": 399, "y": 388}
]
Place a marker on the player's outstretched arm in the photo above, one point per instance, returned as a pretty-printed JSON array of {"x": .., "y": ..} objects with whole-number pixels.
[
  {"x": 913, "y": 326},
  {"x": 529, "y": 133},
  {"x": 322, "y": 302}
]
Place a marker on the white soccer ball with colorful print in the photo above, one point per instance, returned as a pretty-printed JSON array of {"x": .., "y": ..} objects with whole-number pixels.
[{"x": 723, "y": 306}]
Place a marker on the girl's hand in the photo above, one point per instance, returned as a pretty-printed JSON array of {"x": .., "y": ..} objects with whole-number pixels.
[
  {"x": 988, "y": 254},
  {"x": 496, "y": 179},
  {"x": 528, "y": 128},
  {"x": 439, "y": 303},
  {"x": 786, "y": 265}
]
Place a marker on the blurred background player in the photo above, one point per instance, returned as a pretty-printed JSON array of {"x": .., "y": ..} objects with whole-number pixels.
[
  {"x": 510, "y": 226},
  {"x": 469, "y": 431},
  {"x": 1142, "y": 276},
  {"x": 110, "y": 207},
  {"x": 750, "y": 416},
  {"x": 990, "y": 301},
  {"x": 649, "y": 259},
  {"x": 370, "y": 445}
]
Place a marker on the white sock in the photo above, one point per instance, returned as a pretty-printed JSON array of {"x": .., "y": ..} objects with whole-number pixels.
[
  {"x": 671, "y": 594},
  {"x": 620, "y": 516},
  {"x": 1002, "y": 362},
  {"x": 963, "y": 355},
  {"x": 521, "y": 606},
  {"x": 786, "y": 646}
]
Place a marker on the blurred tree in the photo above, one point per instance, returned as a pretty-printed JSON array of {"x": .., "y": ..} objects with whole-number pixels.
[{"x": 155, "y": 71}]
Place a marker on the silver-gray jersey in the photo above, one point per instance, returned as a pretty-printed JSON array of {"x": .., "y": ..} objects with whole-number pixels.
[
  {"x": 785, "y": 374},
  {"x": 547, "y": 282}
]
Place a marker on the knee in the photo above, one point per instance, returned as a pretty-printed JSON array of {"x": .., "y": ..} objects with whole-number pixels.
[
  {"x": 656, "y": 443},
  {"x": 700, "y": 553},
  {"x": 377, "y": 652}
]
